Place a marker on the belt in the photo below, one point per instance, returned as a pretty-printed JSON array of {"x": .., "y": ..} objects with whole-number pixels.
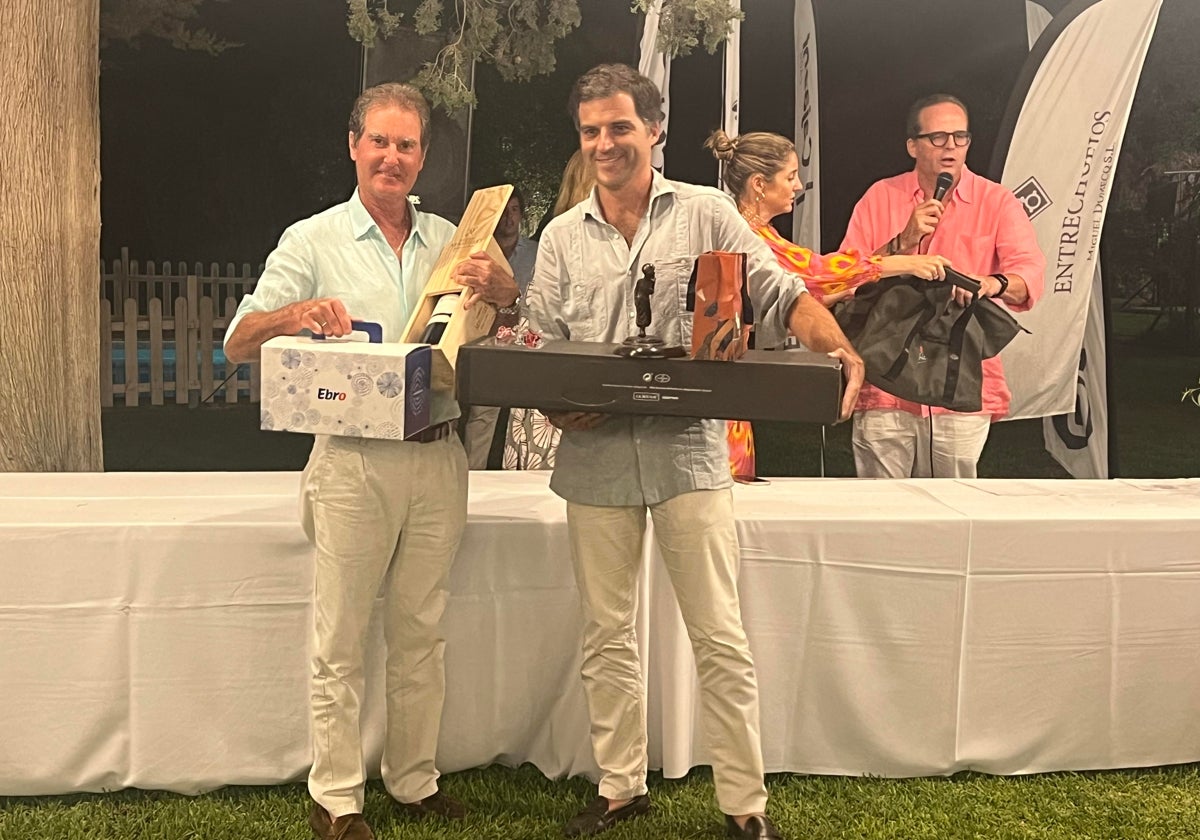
[{"x": 439, "y": 432}]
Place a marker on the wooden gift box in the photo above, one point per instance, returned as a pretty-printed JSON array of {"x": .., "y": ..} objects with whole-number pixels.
[{"x": 474, "y": 234}]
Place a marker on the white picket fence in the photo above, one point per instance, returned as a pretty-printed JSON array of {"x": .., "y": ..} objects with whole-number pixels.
[{"x": 164, "y": 331}]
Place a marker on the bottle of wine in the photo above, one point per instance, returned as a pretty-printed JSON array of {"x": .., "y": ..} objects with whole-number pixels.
[{"x": 436, "y": 325}]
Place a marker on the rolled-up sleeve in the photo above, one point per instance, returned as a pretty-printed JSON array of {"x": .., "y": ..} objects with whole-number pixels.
[
  {"x": 864, "y": 231},
  {"x": 288, "y": 276},
  {"x": 1017, "y": 250}
]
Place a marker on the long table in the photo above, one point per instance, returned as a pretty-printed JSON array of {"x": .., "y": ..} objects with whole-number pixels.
[{"x": 153, "y": 630}]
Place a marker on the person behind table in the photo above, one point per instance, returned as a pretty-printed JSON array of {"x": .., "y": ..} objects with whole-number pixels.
[
  {"x": 611, "y": 469},
  {"x": 762, "y": 172},
  {"x": 531, "y": 440},
  {"x": 479, "y": 425},
  {"x": 576, "y": 184},
  {"x": 385, "y": 516},
  {"x": 983, "y": 230}
]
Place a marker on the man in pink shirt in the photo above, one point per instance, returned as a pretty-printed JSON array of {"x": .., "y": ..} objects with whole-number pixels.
[{"x": 984, "y": 232}]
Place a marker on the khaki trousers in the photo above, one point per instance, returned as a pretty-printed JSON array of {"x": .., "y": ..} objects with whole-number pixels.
[
  {"x": 386, "y": 518},
  {"x": 698, "y": 541},
  {"x": 478, "y": 431},
  {"x": 889, "y": 443}
]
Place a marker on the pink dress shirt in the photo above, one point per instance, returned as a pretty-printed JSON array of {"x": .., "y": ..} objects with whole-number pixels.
[{"x": 983, "y": 231}]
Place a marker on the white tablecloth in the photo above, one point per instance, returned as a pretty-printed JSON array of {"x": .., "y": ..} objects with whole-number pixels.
[{"x": 153, "y": 630}]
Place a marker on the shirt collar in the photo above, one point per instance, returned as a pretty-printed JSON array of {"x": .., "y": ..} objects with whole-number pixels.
[
  {"x": 659, "y": 186},
  {"x": 963, "y": 191},
  {"x": 362, "y": 222}
]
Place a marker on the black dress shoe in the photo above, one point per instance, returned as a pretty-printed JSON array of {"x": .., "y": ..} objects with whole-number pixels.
[
  {"x": 436, "y": 804},
  {"x": 596, "y": 817},
  {"x": 757, "y": 828}
]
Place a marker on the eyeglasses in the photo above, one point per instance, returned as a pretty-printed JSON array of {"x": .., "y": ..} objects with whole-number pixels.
[{"x": 941, "y": 138}]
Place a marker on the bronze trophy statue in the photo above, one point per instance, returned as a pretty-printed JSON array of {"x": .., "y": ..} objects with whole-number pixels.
[{"x": 642, "y": 346}]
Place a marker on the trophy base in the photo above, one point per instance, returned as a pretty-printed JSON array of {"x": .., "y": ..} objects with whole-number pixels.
[{"x": 647, "y": 347}]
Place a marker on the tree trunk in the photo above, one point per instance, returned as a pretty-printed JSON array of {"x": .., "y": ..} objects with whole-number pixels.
[{"x": 49, "y": 236}]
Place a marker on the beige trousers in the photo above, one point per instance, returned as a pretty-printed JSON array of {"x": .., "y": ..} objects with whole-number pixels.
[
  {"x": 698, "y": 542},
  {"x": 889, "y": 443},
  {"x": 478, "y": 431},
  {"x": 386, "y": 518}
]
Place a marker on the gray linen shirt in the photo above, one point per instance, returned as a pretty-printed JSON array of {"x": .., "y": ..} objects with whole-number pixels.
[{"x": 582, "y": 290}]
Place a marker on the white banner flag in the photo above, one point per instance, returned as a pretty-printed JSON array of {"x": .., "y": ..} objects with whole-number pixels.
[
  {"x": 1060, "y": 161},
  {"x": 656, "y": 66},
  {"x": 1036, "y": 21},
  {"x": 806, "y": 218},
  {"x": 732, "y": 88},
  {"x": 1079, "y": 440}
]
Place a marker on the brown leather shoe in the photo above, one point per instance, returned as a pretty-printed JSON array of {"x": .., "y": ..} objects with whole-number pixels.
[
  {"x": 597, "y": 818},
  {"x": 318, "y": 820},
  {"x": 436, "y": 804},
  {"x": 758, "y": 827},
  {"x": 345, "y": 827}
]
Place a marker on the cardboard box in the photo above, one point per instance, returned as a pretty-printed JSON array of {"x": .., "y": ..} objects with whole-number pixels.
[
  {"x": 474, "y": 233},
  {"x": 792, "y": 385},
  {"x": 349, "y": 388}
]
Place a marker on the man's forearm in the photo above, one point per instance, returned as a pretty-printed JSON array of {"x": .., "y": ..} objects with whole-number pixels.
[
  {"x": 811, "y": 322},
  {"x": 815, "y": 327},
  {"x": 256, "y": 328},
  {"x": 893, "y": 246},
  {"x": 1017, "y": 292}
]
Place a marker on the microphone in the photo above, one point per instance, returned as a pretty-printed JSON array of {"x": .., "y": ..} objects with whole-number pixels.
[{"x": 944, "y": 181}]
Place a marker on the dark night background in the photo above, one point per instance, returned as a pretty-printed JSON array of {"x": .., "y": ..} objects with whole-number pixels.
[{"x": 209, "y": 158}]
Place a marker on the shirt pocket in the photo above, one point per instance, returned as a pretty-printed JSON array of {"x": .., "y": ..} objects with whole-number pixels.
[
  {"x": 582, "y": 293},
  {"x": 672, "y": 320}
]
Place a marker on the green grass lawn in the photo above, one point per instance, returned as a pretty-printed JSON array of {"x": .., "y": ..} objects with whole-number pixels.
[{"x": 1160, "y": 804}]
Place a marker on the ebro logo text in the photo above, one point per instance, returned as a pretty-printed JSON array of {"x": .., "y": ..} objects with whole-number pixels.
[{"x": 326, "y": 394}]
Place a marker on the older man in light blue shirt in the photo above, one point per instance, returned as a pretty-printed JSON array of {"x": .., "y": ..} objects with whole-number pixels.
[
  {"x": 611, "y": 469},
  {"x": 385, "y": 516}
]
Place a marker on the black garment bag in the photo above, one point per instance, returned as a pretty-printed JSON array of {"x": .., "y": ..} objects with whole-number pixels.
[{"x": 919, "y": 345}]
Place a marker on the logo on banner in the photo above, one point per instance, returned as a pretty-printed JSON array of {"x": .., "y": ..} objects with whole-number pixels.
[
  {"x": 1033, "y": 197},
  {"x": 1075, "y": 429},
  {"x": 806, "y": 140}
]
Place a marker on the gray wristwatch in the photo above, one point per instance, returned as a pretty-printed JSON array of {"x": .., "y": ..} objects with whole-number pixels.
[{"x": 513, "y": 308}]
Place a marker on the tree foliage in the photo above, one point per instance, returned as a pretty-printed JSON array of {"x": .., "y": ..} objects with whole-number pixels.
[
  {"x": 518, "y": 37},
  {"x": 684, "y": 24},
  {"x": 172, "y": 21}
]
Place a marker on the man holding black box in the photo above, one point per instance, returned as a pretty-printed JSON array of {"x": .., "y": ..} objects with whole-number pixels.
[
  {"x": 384, "y": 515},
  {"x": 611, "y": 469},
  {"x": 942, "y": 207}
]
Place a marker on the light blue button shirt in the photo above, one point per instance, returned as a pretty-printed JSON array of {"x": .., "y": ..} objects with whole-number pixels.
[
  {"x": 522, "y": 261},
  {"x": 582, "y": 290},
  {"x": 342, "y": 253}
]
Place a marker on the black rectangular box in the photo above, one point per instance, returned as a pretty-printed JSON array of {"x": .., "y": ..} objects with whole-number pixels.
[{"x": 793, "y": 385}]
